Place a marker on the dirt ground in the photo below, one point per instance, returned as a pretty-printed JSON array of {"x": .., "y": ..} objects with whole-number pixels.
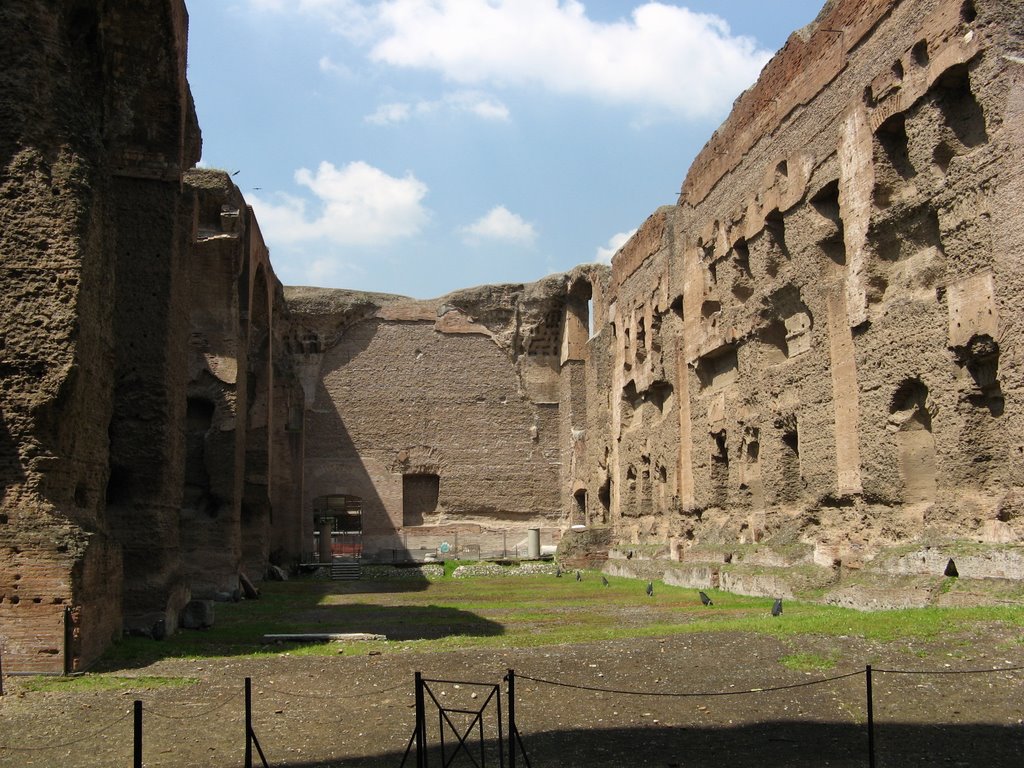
[{"x": 360, "y": 711}]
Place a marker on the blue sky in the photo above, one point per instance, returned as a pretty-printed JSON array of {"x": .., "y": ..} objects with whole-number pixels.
[{"x": 421, "y": 146}]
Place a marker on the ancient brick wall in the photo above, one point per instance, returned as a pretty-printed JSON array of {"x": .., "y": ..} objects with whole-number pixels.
[
  {"x": 84, "y": 147},
  {"x": 836, "y": 297},
  {"x": 455, "y": 399},
  {"x": 141, "y": 408}
]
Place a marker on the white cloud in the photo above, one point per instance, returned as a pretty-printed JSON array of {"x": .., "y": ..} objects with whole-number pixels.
[
  {"x": 663, "y": 57},
  {"x": 460, "y": 102},
  {"x": 349, "y": 18},
  {"x": 616, "y": 241},
  {"x": 483, "y": 106},
  {"x": 330, "y": 67},
  {"x": 499, "y": 224},
  {"x": 358, "y": 205},
  {"x": 388, "y": 114}
]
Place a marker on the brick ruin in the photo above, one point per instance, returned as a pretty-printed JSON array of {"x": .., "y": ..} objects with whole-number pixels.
[{"x": 803, "y": 376}]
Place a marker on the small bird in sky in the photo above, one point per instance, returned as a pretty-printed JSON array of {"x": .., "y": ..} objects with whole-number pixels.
[
  {"x": 650, "y": 589},
  {"x": 705, "y": 599},
  {"x": 777, "y": 607},
  {"x": 579, "y": 576},
  {"x": 604, "y": 581}
]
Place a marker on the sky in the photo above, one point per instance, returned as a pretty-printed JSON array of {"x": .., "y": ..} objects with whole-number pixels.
[{"x": 421, "y": 146}]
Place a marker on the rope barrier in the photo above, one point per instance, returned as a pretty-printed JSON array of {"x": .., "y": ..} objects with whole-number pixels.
[
  {"x": 204, "y": 713},
  {"x": 672, "y": 694},
  {"x": 947, "y": 671},
  {"x": 92, "y": 735}
]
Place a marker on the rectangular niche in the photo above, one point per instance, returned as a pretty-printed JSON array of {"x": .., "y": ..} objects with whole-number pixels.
[
  {"x": 419, "y": 497},
  {"x": 717, "y": 369}
]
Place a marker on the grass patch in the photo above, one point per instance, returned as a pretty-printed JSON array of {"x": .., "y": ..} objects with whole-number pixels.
[
  {"x": 525, "y": 611},
  {"x": 99, "y": 682},
  {"x": 809, "y": 662}
]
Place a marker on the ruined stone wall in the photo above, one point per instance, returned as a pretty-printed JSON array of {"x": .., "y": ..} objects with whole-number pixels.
[
  {"x": 440, "y": 414},
  {"x": 142, "y": 400},
  {"x": 90, "y": 148},
  {"x": 817, "y": 346}
]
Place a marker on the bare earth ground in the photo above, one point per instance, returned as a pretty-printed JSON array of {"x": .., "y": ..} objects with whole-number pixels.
[{"x": 359, "y": 710}]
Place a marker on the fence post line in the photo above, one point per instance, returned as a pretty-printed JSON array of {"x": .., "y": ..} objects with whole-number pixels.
[
  {"x": 512, "y": 718},
  {"x": 248, "y": 722},
  {"x": 137, "y": 761},
  {"x": 871, "y": 718},
  {"x": 421, "y": 725}
]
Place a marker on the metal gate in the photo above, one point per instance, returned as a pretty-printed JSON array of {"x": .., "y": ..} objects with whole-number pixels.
[{"x": 461, "y": 733}]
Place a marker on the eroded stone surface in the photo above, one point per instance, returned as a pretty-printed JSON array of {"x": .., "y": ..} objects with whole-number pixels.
[{"x": 805, "y": 376}]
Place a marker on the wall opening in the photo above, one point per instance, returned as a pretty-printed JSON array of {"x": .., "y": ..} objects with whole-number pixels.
[
  {"x": 646, "y": 502},
  {"x": 579, "y": 512},
  {"x": 742, "y": 278},
  {"x": 198, "y": 420},
  {"x": 775, "y": 226},
  {"x": 893, "y": 168},
  {"x": 961, "y": 112},
  {"x": 660, "y": 395},
  {"x": 719, "y": 468},
  {"x": 628, "y": 504},
  {"x": 420, "y": 495},
  {"x": 604, "y": 499},
  {"x": 980, "y": 357},
  {"x": 915, "y": 445},
  {"x": 339, "y": 517},
  {"x": 789, "y": 462},
  {"x": 578, "y": 320},
  {"x": 826, "y": 204},
  {"x": 631, "y": 402},
  {"x": 773, "y": 342},
  {"x": 717, "y": 369}
]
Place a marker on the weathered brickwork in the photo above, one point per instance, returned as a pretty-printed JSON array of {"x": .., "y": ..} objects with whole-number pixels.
[
  {"x": 808, "y": 368},
  {"x": 440, "y": 417},
  {"x": 815, "y": 350},
  {"x": 111, "y": 299}
]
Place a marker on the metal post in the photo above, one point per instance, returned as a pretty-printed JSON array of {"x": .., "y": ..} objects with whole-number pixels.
[
  {"x": 871, "y": 720},
  {"x": 248, "y": 722},
  {"x": 137, "y": 762},
  {"x": 512, "y": 718},
  {"x": 421, "y": 725}
]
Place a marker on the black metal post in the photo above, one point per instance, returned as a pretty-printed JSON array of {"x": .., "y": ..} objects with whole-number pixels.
[
  {"x": 421, "y": 725},
  {"x": 248, "y": 722},
  {"x": 871, "y": 720},
  {"x": 512, "y": 718},
  {"x": 137, "y": 762},
  {"x": 501, "y": 736}
]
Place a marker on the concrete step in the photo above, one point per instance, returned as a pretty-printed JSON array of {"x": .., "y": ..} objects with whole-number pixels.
[{"x": 345, "y": 569}]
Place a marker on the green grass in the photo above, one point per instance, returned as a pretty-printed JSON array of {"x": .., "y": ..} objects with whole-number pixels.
[
  {"x": 809, "y": 662},
  {"x": 93, "y": 682},
  {"x": 525, "y": 611}
]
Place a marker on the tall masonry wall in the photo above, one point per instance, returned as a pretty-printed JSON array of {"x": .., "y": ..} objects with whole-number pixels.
[
  {"x": 135, "y": 292},
  {"x": 816, "y": 350},
  {"x": 440, "y": 419},
  {"x": 803, "y": 375}
]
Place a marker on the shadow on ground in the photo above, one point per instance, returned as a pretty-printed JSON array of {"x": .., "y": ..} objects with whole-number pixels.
[
  {"x": 245, "y": 636},
  {"x": 765, "y": 745}
]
